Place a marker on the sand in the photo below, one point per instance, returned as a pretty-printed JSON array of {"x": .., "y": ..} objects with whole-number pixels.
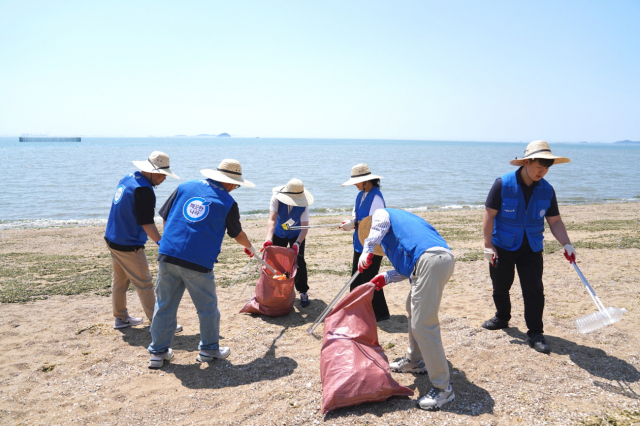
[{"x": 63, "y": 363}]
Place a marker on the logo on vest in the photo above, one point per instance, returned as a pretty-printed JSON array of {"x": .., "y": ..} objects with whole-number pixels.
[
  {"x": 542, "y": 212},
  {"x": 118, "y": 196},
  {"x": 196, "y": 209}
]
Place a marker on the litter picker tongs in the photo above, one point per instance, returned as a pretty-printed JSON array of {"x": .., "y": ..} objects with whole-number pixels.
[
  {"x": 286, "y": 226},
  {"x": 332, "y": 304}
]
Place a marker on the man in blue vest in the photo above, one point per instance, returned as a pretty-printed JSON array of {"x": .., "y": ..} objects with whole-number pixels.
[
  {"x": 418, "y": 252},
  {"x": 290, "y": 204},
  {"x": 196, "y": 217},
  {"x": 513, "y": 228},
  {"x": 131, "y": 221}
]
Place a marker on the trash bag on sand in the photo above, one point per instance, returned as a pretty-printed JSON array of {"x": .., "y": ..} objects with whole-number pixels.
[
  {"x": 353, "y": 366},
  {"x": 274, "y": 296}
]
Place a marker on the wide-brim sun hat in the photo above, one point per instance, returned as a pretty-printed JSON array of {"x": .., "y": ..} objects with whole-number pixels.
[
  {"x": 360, "y": 173},
  {"x": 158, "y": 162},
  {"x": 293, "y": 194},
  {"x": 538, "y": 149},
  {"x": 364, "y": 227},
  {"x": 229, "y": 171}
]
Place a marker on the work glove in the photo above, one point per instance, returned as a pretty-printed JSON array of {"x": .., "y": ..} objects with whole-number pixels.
[
  {"x": 379, "y": 281},
  {"x": 491, "y": 255},
  {"x": 266, "y": 244},
  {"x": 570, "y": 253},
  {"x": 365, "y": 261},
  {"x": 348, "y": 225},
  {"x": 296, "y": 247},
  {"x": 250, "y": 251}
]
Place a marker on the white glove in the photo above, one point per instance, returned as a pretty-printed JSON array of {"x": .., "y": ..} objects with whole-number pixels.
[
  {"x": 491, "y": 255},
  {"x": 348, "y": 225},
  {"x": 570, "y": 253}
]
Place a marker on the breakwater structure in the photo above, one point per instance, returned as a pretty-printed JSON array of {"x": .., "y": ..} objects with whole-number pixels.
[{"x": 47, "y": 139}]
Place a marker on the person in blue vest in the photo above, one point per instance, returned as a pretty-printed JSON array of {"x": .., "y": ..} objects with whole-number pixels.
[
  {"x": 368, "y": 201},
  {"x": 290, "y": 204},
  {"x": 130, "y": 223},
  {"x": 418, "y": 252},
  {"x": 513, "y": 228},
  {"x": 196, "y": 217}
]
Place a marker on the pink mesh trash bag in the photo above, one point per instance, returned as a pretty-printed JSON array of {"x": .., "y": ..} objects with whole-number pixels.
[
  {"x": 353, "y": 366},
  {"x": 274, "y": 297}
]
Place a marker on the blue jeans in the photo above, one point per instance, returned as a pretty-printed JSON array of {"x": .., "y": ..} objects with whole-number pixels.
[{"x": 170, "y": 285}]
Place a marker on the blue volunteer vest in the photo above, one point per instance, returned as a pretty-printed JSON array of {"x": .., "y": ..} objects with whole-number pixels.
[
  {"x": 196, "y": 222},
  {"x": 513, "y": 219},
  {"x": 122, "y": 227},
  {"x": 283, "y": 216},
  {"x": 408, "y": 238},
  {"x": 362, "y": 211}
]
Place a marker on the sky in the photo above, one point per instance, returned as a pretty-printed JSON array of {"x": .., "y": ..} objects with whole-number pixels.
[{"x": 563, "y": 71}]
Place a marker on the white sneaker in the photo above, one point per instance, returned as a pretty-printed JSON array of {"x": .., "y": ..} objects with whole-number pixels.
[
  {"x": 157, "y": 361},
  {"x": 407, "y": 366},
  {"x": 210, "y": 355},
  {"x": 436, "y": 398},
  {"x": 178, "y": 328},
  {"x": 129, "y": 322}
]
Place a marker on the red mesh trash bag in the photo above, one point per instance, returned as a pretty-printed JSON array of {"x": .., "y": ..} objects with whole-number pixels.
[
  {"x": 274, "y": 297},
  {"x": 353, "y": 366}
]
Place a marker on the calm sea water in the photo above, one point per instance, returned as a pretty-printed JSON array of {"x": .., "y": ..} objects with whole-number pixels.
[{"x": 54, "y": 184}]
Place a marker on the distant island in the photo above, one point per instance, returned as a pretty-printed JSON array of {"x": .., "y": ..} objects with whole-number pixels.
[
  {"x": 224, "y": 135},
  {"x": 628, "y": 142}
]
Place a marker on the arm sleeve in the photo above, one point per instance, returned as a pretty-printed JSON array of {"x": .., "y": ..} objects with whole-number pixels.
[
  {"x": 393, "y": 276},
  {"x": 145, "y": 204},
  {"x": 380, "y": 225},
  {"x": 553, "y": 209},
  {"x": 376, "y": 204},
  {"x": 494, "y": 199},
  {"x": 166, "y": 207},
  {"x": 305, "y": 215},
  {"x": 234, "y": 228},
  {"x": 273, "y": 205}
]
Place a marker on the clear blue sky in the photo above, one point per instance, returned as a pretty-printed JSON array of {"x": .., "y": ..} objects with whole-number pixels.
[{"x": 446, "y": 70}]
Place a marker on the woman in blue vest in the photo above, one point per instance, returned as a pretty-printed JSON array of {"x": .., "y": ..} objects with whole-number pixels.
[
  {"x": 368, "y": 200},
  {"x": 290, "y": 205},
  {"x": 418, "y": 252},
  {"x": 513, "y": 228}
]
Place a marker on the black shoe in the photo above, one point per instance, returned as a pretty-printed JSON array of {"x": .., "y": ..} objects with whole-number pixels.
[
  {"x": 495, "y": 323},
  {"x": 383, "y": 318},
  {"x": 537, "y": 342}
]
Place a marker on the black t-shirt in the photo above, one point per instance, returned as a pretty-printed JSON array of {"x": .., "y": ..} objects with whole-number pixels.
[
  {"x": 144, "y": 205},
  {"x": 232, "y": 224},
  {"x": 494, "y": 199}
]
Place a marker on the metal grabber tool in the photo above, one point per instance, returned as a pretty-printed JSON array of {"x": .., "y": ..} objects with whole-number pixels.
[
  {"x": 332, "y": 304},
  {"x": 286, "y": 226}
]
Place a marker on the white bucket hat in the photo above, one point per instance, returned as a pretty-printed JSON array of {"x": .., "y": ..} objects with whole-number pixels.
[
  {"x": 229, "y": 171},
  {"x": 360, "y": 173},
  {"x": 293, "y": 194},
  {"x": 538, "y": 149},
  {"x": 158, "y": 162}
]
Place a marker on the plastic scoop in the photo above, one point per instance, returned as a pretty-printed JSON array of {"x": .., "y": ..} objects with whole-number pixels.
[{"x": 603, "y": 317}]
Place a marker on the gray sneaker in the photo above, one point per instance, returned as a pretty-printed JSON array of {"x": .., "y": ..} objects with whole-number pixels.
[
  {"x": 436, "y": 398},
  {"x": 157, "y": 361},
  {"x": 405, "y": 365},
  {"x": 210, "y": 355},
  {"x": 129, "y": 322}
]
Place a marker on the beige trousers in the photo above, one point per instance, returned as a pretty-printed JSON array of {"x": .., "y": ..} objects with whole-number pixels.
[
  {"x": 131, "y": 267},
  {"x": 431, "y": 273}
]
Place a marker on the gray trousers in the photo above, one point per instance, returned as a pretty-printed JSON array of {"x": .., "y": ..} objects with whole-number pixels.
[{"x": 432, "y": 271}]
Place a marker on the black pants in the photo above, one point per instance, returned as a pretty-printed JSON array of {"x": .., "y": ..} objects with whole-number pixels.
[
  {"x": 379, "y": 302},
  {"x": 301, "y": 276},
  {"x": 530, "y": 267}
]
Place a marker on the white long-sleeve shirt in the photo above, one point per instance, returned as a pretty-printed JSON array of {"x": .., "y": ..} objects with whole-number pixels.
[
  {"x": 376, "y": 204},
  {"x": 380, "y": 225}
]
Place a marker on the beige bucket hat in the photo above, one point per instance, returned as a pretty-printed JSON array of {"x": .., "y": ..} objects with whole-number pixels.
[
  {"x": 360, "y": 173},
  {"x": 229, "y": 171},
  {"x": 293, "y": 194},
  {"x": 538, "y": 149},
  {"x": 158, "y": 162},
  {"x": 364, "y": 227}
]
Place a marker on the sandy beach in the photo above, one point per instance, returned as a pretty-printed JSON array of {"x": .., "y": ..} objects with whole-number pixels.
[{"x": 63, "y": 363}]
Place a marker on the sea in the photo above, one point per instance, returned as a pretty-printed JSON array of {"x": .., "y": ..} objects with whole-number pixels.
[{"x": 53, "y": 184}]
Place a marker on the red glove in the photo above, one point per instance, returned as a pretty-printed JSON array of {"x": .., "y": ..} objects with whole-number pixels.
[
  {"x": 570, "y": 253},
  {"x": 249, "y": 251},
  {"x": 296, "y": 247},
  {"x": 379, "y": 281},
  {"x": 365, "y": 261},
  {"x": 266, "y": 244}
]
